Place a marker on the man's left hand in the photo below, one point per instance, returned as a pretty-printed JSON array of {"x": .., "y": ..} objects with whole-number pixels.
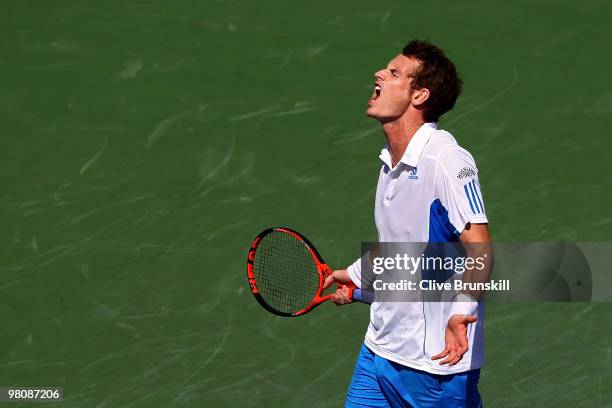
[{"x": 456, "y": 339}]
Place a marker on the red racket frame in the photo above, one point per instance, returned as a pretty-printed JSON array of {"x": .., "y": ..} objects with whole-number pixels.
[{"x": 323, "y": 269}]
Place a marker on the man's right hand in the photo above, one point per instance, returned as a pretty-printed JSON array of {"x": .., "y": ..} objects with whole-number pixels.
[{"x": 342, "y": 296}]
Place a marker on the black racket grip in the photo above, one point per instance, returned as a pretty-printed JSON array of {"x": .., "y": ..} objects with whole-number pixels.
[{"x": 363, "y": 296}]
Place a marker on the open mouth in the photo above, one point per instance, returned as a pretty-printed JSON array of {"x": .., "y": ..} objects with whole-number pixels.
[{"x": 376, "y": 93}]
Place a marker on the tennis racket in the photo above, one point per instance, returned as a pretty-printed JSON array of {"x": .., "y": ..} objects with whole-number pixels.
[{"x": 286, "y": 273}]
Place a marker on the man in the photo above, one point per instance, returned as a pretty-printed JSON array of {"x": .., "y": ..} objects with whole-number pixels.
[{"x": 420, "y": 354}]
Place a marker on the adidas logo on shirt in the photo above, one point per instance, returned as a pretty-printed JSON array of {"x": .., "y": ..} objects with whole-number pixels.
[{"x": 466, "y": 172}]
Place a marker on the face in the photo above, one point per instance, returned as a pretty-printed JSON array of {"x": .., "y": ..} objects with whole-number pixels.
[{"x": 392, "y": 96}]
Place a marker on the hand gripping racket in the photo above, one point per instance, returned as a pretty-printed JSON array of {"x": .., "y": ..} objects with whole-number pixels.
[{"x": 286, "y": 273}]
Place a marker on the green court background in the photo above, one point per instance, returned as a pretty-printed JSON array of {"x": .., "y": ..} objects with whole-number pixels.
[{"x": 145, "y": 143}]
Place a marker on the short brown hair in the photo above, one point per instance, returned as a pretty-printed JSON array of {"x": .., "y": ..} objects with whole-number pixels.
[{"x": 438, "y": 74}]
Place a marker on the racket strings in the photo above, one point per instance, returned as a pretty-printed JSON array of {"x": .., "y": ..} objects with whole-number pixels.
[{"x": 286, "y": 273}]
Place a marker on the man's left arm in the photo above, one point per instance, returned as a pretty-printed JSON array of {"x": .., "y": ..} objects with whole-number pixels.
[{"x": 458, "y": 187}]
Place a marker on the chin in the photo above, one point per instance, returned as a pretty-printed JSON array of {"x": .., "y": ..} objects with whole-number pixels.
[
  {"x": 376, "y": 115},
  {"x": 371, "y": 112}
]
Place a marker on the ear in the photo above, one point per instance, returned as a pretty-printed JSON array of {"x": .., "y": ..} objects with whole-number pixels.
[{"x": 419, "y": 96}]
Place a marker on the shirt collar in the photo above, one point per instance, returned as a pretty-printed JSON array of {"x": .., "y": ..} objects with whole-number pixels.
[{"x": 415, "y": 146}]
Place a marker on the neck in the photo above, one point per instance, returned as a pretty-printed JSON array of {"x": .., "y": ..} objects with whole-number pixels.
[{"x": 399, "y": 133}]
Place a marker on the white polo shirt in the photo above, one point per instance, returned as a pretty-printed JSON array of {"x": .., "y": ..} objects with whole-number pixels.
[{"x": 429, "y": 196}]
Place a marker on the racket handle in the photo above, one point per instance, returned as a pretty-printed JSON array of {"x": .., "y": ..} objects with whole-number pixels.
[{"x": 363, "y": 296}]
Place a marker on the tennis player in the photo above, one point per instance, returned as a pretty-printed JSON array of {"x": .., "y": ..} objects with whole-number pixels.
[{"x": 420, "y": 354}]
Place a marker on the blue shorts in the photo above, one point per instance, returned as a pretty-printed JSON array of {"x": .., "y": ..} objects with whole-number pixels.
[{"x": 378, "y": 382}]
